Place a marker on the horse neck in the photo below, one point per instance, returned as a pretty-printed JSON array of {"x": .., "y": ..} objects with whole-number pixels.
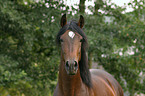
[{"x": 69, "y": 85}]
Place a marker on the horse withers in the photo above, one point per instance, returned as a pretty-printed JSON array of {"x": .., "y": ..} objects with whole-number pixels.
[{"x": 75, "y": 78}]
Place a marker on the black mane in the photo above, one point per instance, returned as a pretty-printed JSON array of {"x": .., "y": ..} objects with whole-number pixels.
[{"x": 83, "y": 63}]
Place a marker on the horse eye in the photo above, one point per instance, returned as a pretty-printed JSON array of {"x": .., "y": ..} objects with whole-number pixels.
[
  {"x": 81, "y": 40},
  {"x": 61, "y": 40}
]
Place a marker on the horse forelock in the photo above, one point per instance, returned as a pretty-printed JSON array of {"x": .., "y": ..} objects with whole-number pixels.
[{"x": 72, "y": 26}]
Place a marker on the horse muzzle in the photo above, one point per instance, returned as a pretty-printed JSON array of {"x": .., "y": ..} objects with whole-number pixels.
[{"x": 71, "y": 67}]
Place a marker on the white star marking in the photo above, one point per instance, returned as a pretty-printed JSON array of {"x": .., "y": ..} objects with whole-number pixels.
[{"x": 71, "y": 34}]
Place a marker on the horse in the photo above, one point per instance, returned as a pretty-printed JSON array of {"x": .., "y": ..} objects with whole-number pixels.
[{"x": 75, "y": 78}]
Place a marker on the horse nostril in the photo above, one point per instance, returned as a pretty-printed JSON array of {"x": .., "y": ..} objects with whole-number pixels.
[
  {"x": 75, "y": 64},
  {"x": 67, "y": 65}
]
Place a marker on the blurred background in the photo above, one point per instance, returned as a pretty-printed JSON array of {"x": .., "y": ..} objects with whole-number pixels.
[{"x": 29, "y": 56}]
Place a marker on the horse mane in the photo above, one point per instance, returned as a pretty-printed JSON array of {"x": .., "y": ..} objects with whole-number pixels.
[
  {"x": 83, "y": 63},
  {"x": 84, "y": 68}
]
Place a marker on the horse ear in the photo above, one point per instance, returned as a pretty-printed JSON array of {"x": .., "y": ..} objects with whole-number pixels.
[
  {"x": 81, "y": 21},
  {"x": 63, "y": 21}
]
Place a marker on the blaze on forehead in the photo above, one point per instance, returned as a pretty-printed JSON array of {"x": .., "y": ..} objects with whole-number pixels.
[{"x": 71, "y": 34}]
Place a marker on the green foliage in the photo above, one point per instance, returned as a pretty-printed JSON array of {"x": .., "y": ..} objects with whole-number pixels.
[
  {"x": 29, "y": 60},
  {"x": 29, "y": 57}
]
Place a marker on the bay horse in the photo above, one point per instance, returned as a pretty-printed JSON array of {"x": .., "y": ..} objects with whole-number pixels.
[{"x": 75, "y": 78}]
